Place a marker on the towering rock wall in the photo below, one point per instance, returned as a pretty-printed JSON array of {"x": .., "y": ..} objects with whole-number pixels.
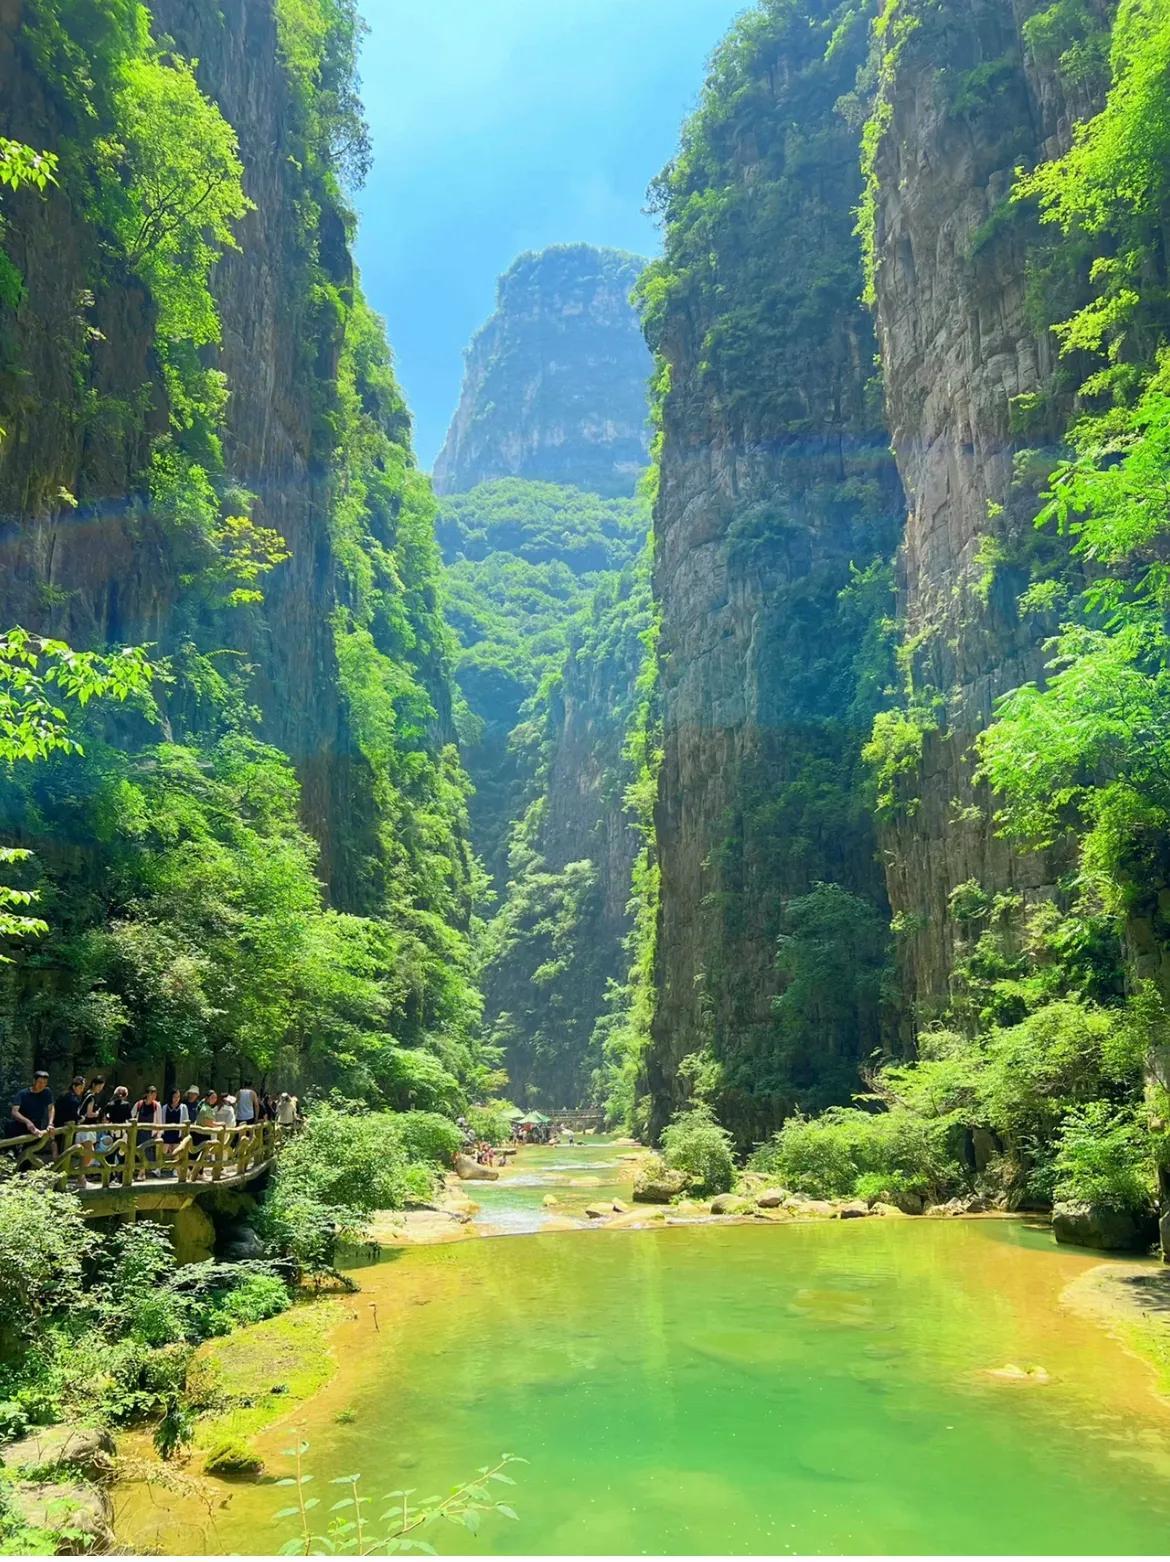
[
  {"x": 776, "y": 490},
  {"x": 965, "y": 294},
  {"x": 554, "y": 387},
  {"x": 85, "y": 555},
  {"x": 210, "y": 454},
  {"x": 558, "y": 942}
]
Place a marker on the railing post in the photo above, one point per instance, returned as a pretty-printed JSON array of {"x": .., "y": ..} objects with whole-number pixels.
[
  {"x": 131, "y": 1153},
  {"x": 220, "y": 1149},
  {"x": 183, "y": 1157}
]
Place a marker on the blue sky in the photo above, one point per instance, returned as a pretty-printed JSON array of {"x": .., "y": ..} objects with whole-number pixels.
[{"x": 504, "y": 125}]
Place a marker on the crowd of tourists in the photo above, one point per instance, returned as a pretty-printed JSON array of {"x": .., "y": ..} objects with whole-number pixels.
[{"x": 101, "y": 1122}]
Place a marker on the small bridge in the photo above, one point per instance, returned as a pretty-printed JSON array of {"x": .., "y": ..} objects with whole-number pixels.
[
  {"x": 578, "y": 1122},
  {"x": 130, "y": 1167}
]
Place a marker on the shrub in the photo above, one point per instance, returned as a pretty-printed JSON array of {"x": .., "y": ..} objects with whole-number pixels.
[
  {"x": 428, "y": 1136},
  {"x": 696, "y": 1144},
  {"x": 490, "y": 1123},
  {"x": 849, "y": 1152},
  {"x": 1103, "y": 1158},
  {"x": 44, "y": 1242},
  {"x": 256, "y": 1297},
  {"x": 336, "y": 1172}
]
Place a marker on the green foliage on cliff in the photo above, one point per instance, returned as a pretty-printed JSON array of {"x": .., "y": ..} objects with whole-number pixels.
[
  {"x": 189, "y": 924},
  {"x": 1084, "y": 756},
  {"x": 554, "y": 949}
]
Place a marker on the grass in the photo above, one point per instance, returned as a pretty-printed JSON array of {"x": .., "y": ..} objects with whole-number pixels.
[{"x": 282, "y": 1361}]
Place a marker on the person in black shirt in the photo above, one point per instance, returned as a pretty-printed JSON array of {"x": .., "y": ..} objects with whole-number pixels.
[
  {"x": 67, "y": 1107},
  {"x": 32, "y": 1113},
  {"x": 119, "y": 1109},
  {"x": 32, "y": 1110}
]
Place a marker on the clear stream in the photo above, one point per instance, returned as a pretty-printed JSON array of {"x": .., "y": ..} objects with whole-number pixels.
[{"x": 828, "y": 1387}]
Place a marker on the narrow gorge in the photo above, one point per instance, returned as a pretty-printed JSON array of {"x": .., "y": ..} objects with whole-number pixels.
[{"x": 730, "y": 791}]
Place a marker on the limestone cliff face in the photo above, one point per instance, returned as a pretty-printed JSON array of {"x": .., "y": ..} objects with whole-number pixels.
[
  {"x": 775, "y": 481},
  {"x": 80, "y": 401},
  {"x": 559, "y": 940},
  {"x": 554, "y": 386},
  {"x": 971, "y": 381}
]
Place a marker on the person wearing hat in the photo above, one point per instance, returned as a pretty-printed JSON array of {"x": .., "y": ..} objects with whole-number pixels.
[
  {"x": 225, "y": 1112},
  {"x": 32, "y": 1110},
  {"x": 192, "y": 1100},
  {"x": 286, "y": 1110}
]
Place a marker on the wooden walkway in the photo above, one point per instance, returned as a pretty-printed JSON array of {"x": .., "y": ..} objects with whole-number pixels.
[{"x": 130, "y": 1167}]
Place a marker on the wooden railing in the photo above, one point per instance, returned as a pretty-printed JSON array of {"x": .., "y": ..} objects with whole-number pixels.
[{"x": 120, "y": 1155}]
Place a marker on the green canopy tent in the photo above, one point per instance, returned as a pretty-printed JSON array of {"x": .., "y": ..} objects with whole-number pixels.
[
  {"x": 515, "y": 1115},
  {"x": 535, "y": 1118}
]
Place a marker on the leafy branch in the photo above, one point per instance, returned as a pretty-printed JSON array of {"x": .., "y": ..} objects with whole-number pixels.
[{"x": 349, "y": 1532}]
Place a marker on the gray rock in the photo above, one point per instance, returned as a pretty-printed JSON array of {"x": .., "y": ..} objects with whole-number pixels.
[
  {"x": 908, "y": 1203},
  {"x": 772, "y": 1198},
  {"x": 800, "y": 1204},
  {"x": 82, "y": 1510},
  {"x": 468, "y": 1170},
  {"x": 1092, "y": 1225},
  {"x": 50, "y": 1449},
  {"x": 730, "y": 1204},
  {"x": 597, "y": 1211},
  {"x": 658, "y": 1185},
  {"x": 854, "y": 1209},
  {"x": 619, "y": 1208}
]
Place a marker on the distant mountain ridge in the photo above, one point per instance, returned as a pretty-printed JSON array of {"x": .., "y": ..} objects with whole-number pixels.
[{"x": 555, "y": 383}]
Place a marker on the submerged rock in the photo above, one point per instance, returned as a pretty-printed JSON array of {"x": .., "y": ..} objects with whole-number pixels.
[
  {"x": 471, "y": 1171},
  {"x": 1113, "y": 1230},
  {"x": 1013, "y": 1374}
]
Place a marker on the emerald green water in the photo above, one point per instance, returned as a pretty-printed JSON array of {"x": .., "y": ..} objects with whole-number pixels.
[{"x": 815, "y": 1388}]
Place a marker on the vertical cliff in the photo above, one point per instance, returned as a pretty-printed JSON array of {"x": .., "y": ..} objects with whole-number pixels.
[
  {"x": 554, "y": 386},
  {"x": 206, "y": 449},
  {"x": 966, "y": 288},
  {"x": 778, "y": 509}
]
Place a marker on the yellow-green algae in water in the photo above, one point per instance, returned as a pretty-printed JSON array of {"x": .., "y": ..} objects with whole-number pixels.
[{"x": 829, "y": 1387}]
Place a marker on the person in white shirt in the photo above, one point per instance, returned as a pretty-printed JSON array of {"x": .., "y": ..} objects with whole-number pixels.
[
  {"x": 247, "y": 1104},
  {"x": 286, "y": 1110},
  {"x": 225, "y": 1113}
]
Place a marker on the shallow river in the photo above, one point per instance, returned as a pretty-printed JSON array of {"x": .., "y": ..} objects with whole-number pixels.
[{"x": 813, "y": 1388}]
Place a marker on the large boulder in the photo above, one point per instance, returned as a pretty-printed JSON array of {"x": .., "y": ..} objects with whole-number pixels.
[
  {"x": 657, "y": 1183},
  {"x": 240, "y": 1244},
  {"x": 76, "y": 1515},
  {"x": 731, "y": 1204},
  {"x": 801, "y": 1204},
  {"x": 906, "y": 1202},
  {"x": 1094, "y": 1225},
  {"x": 86, "y": 1450},
  {"x": 468, "y": 1170},
  {"x": 598, "y": 1211},
  {"x": 772, "y": 1198},
  {"x": 853, "y": 1209}
]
